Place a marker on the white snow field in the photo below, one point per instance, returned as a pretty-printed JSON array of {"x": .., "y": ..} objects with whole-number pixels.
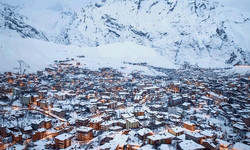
[{"x": 39, "y": 54}]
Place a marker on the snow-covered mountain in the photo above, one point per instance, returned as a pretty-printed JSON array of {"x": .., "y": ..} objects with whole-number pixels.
[
  {"x": 182, "y": 30},
  {"x": 202, "y": 32},
  {"x": 43, "y": 23},
  {"x": 14, "y": 24}
]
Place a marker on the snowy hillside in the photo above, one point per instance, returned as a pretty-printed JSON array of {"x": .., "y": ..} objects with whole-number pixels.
[
  {"x": 39, "y": 54},
  {"x": 181, "y": 30},
  {"x": 239, "y": 70},
  {"x": 201, "y": 32}
]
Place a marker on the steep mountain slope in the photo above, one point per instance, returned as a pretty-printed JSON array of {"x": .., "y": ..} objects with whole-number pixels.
[
  {"x": 14, "y": 24},
  {"x": 181, "y": 30},
  {"x": 47, "y": 17}
]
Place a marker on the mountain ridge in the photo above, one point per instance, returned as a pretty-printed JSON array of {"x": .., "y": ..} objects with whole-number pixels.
[
  {"x": 16, "y": 22},
  {"x": 182, "y": 31},
  {"x": 184, "y": 17}
]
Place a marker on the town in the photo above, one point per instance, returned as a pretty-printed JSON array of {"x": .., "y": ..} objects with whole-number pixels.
[{"x": 68, "y": 106}]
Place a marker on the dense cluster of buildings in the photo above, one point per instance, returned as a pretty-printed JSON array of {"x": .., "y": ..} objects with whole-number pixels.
[{"x": 68, "y": 106}]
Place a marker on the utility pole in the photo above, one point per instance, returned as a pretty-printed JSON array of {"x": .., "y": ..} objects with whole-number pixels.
[{"x": 22, "y": 65}]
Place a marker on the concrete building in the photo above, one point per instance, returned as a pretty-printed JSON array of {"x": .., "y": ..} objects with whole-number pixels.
[
  {"x": 63, "y": 140},
  {"x": 84, "y": 133},
  {"x": 132, "y": 123}
]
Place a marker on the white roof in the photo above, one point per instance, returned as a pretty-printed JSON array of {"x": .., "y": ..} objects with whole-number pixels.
[
  {"x": 160, "y": 137},
  {"x": 37, "y": 121},
  {"x": 121, "y": 121},
  {"x": 60, "y": 94},
  {"x": 132, "y": 120},
  {"x": 186, "y": 104},
  {"x": 111, "y": 146},
  {"x": 177, "y": 129},
  {"x": 176, "y": 82},
  {"x": 127, "y": 116},
  {"x": 96, "y": 119},
  {"x": 184, "y": 95},
  {"x": 207, "y": 133},
  {"x": 41, "y": 130},
  {"x": 120, "y": 139},
  {"x": 211, "y": 142},
  {"x": 84, "y": 129},
  {"x": 222, "y": 142},
  {"x": 216, "y": 95},
  {"x": 47, "y": 119},
  {"x": 27, "y": 96},
  {"x": 195, "y": 134},
  {"x": 106, "y": 123},
  {"x": 27, "y": 128},
  {"x": 82, "y": 118},
  {"x": 181, "y": 137},
  {"x": 93, "y": 100},
  {"x": 3, "y": 103},
  {"x": 206, "y": 98},
  {"x": 167, "y": 135},
  {"x": 190, "y": 145},
  {"x": 115, "y": 128},
  {"x": 63, "y": 136},
  {"x": 56, "y": 109},
  {"x": 144, "y": 131},
  {"x": 152, "y": 87},
  {"x": 138, "y": 97},
  {"x": 155, "y": 137},
  {"x": 239, "y": 126},
  {"x": 167, "y": 147},
  {"x": 176, "y": 98},
  {"x": 189, "y": 123},
  {"x": 123, "y": 93}
]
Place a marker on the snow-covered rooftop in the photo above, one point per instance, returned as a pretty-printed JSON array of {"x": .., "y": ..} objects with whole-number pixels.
[
  {"x": 84, "y": 129},
  {"x": 64, "y": 136},
  {"x": 190, "y": 145}
]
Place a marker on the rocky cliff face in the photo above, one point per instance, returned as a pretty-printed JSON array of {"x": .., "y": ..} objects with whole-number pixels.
[{"x": 12, "y": 23}]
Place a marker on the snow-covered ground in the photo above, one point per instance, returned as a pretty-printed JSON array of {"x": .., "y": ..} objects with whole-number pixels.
[
  {"x": 39, "y": 54},
  {"x": 239, "y": 4},
  {"x": 239, "y": 69}
]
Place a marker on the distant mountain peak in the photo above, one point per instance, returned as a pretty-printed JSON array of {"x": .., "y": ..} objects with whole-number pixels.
[
  {"x": 197, "y": 31},
  {"x": 182, "y": 30}
]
